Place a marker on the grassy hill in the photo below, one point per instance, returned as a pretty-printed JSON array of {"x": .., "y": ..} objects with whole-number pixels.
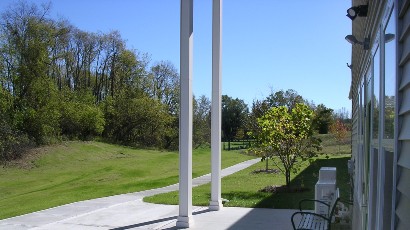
[{"x": 74, "y": 171}]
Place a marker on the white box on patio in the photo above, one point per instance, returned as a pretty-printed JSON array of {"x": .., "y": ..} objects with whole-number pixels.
[
  {"x": 327, "y": 175},
  {"x": 325, "y": 188}
]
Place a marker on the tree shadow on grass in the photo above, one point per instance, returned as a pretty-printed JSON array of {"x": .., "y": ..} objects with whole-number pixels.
[
  {"x": 308, "y": 178},
  {"x": 285, "y": 200}
]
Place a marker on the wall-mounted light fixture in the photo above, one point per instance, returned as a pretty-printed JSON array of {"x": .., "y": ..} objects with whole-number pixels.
[
  {"x": 353, "y": 40},
  {"x": 355, "y": 11},
  {"x": 350, "y": 66},
  {"x": 389, "y": 38}
]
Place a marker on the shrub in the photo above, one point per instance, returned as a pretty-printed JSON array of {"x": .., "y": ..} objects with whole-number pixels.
[
  {"x": 12, "y": 142},
  {"x": 81, "y": 118},
  {"x": 139, "y": 121}
]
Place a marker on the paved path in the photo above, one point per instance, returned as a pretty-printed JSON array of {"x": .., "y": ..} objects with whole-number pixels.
[{"x": 128, "y": 211}]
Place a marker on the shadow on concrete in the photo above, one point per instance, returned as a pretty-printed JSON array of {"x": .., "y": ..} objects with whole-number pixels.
[
  {"x": 270, "y": 213},
  {"x": 171, "y": 218},
  {"x": 145, "y": 223}
]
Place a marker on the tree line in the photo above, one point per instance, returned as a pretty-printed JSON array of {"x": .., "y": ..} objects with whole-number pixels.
[
  {"x": 238, "y": 121},
  {"x": 58, "y": 82}
]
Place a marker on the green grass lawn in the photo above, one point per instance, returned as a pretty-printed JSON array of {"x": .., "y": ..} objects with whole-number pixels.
[
  {"x": 77, "y": 171},
  {"x": 241, "y": 188},
  {"x": 242, "y": 144},
  {"x": 332, "y": 147}
]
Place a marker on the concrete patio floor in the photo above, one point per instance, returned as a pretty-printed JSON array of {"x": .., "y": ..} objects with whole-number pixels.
[{"x": 128, "y": 211}]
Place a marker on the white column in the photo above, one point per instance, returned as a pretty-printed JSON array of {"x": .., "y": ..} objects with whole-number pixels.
[
  {"x": 185, "y": 119},
  {"x": 216, "y": 202}
]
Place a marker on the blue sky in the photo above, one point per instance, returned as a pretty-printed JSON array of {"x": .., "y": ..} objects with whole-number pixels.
[{"x": 268, "y": 45}]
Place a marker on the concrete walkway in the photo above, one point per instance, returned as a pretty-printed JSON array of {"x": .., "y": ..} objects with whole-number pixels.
[{"x": 128, "y": 211}]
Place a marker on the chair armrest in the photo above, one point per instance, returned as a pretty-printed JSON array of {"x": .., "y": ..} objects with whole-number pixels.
[
  {"x": 310, "y": 200},
  {"x": 310, "y": 213}
]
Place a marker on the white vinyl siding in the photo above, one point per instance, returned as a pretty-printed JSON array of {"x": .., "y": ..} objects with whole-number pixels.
[
  {"x": 405, "y": 106},
  {"x": 404, "y": 160},
  {"x": 402, "y": 212},
  {"x": 402, "y": 208}
]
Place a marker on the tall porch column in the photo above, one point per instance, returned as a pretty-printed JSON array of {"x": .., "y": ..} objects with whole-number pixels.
[
  {"x": 185, "y": 120},
  {"x": 216, "y": 202}
]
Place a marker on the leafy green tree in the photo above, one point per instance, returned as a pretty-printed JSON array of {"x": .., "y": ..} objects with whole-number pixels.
[
  {"x": 287, "y": 136},
  {"x": 39, "y": 113},
  {"x": 130, "y": 71},
  {"x": 288, "y": 98},
  {"x": 201, "y": 121},
  {"x": 323, "y": 119},
  {"x": 162, "y": 83},
  {"x": 234, "y": 112},
  {"x": 26, "y": 37},
  {"x": 259, "y": 108},
  {"x": 25, "y": 43},
  {"x": 9, "y": 139}
]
